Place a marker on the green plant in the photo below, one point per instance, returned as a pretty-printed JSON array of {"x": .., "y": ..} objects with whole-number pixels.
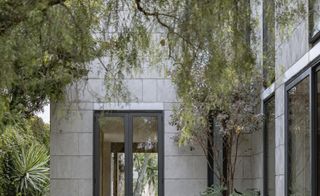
[
  {"x": 214, "y": 190},
  {"x": 217, "y": 190},
  {"x": 146, "y": 165},
  {"x": 40, "y": 130},
  {"x": 30, "y": 171},
  {"x": 24, "y": 153}
]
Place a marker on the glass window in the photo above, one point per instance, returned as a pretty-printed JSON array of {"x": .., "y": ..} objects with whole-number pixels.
[
  {"x": 315, "y": 17},
  {"x": 270, "y": 147},
  {"x": 299, "y": 140}
]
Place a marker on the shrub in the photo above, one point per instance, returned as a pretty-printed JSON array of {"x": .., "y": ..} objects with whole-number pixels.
[
  {"x": 217, "y": 190},
  {"x": 30, "y": 172},
  {"x": 214, "y": 190},
  {"x": 24, "y": 162}
]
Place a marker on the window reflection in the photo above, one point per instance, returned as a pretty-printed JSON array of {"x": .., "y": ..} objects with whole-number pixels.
[{"x": 299, "y": 136}]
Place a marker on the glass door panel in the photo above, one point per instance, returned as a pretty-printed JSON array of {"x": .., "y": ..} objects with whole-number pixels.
[
  {"x": 145, "y": 156},
  {"x": 112, "y": 156}
]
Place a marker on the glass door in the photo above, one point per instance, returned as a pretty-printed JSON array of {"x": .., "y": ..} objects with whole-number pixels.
[{"x": 130, "y": 148}]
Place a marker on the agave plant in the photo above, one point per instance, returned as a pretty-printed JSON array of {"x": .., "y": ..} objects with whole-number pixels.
[{"x": 30, "y": 171}]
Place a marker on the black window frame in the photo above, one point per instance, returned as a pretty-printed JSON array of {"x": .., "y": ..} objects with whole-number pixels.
[
  {"x": 313, "y": 39},
  {"x": 309, "y": 71},
  {"x": 265, "y": 145},
  {"x": 128, "y": 123}
]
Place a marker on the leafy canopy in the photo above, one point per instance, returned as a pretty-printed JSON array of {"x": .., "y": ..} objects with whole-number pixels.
[
  {"x": 44, "y": 45},
  {"x": 47, "y": 44}
]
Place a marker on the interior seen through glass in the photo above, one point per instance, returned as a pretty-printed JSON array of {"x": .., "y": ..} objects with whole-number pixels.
[
  {"x": 144, "y": 156},
  {"x": 112, "y": 165}
]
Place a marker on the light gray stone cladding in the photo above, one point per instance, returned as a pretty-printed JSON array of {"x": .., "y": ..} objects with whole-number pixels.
[{"x": 71, "y": 163}]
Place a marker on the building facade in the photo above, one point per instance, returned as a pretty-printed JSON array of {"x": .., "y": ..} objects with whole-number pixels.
[{"x": 108, "y": 148}]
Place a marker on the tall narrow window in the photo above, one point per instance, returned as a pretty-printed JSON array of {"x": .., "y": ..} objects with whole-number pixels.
[
  {"x": 269, "y": 148},
  {"x": 299, "y": 140},
  {"x": 128, "y": 154},
  {"x": 314, "y": 20}
]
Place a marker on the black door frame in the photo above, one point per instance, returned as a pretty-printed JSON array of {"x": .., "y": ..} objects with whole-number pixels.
[{"x": 128, "y": 122}]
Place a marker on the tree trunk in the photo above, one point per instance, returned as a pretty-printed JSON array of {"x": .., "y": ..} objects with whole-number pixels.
[{"x": 141, "y": 175}]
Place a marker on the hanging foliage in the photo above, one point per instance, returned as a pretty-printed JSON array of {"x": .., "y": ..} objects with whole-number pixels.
[{"x": 208, "y": 47}]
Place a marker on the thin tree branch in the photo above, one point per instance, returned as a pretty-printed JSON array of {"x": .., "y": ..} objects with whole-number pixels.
[{"x": 157, "y": 17}]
